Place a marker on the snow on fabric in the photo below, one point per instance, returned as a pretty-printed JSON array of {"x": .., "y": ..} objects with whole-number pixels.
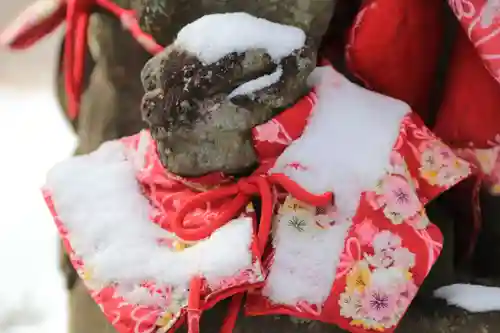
[
  {"x": 373, "y": 245},
  {"x": 122, "y": 255},
  {"x": 115, "y": 234},
  {"x": 358, "y": 263},
  {"x": 339, "y": 116},
  {"x": 473, "y": 298},
  {"x": 212, "y": 37}
]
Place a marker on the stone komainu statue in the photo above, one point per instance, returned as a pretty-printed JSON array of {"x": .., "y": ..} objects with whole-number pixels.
[{"x": 112, "y": 97}]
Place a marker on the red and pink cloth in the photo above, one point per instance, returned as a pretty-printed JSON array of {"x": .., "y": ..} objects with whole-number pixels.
[
  {"x": 389, "y": 238},
  {"x": 317, "y": 252}
]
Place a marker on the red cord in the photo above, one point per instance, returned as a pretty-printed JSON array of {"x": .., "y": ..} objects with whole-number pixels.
[
  {"x": 232, "y": 314},
  {"x": 241, "y": 192},
  {"x": 76, "y": 14},
  {"x": 194, "y": 306},
  {"x": 77, "y": 21}
]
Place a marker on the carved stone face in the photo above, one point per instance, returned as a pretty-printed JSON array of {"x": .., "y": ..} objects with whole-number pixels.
[{"x": 198, "y": 126}]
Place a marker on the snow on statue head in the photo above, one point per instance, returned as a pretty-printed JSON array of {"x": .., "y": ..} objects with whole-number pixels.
[
  {"x": 223, "y": 75},
  {"x": 163, "y": 19}
]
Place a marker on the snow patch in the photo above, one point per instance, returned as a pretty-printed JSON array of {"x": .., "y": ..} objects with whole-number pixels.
[
  {"x": 32, "y": 292},
  {"x": 214, "y": 36},
  {"x": 345, "y": 149},
  {"x": 108, "y": 220},
  {"x": 473, "y": 298},
  {"x": 248, "y": 88}
]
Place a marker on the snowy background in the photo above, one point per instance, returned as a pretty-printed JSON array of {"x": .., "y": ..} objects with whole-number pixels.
[{"x": 33, "y": 136}]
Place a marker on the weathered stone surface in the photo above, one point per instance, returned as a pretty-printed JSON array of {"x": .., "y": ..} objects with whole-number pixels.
[{"x": 197, "y": 127}]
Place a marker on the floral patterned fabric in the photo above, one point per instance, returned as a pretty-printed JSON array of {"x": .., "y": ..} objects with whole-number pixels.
[
  {"x": 472, "y": 93},
  {"x": 166, "y": 193},
  {"x": 170, "y": 303},
  {"x": 389, "y": 249},
  {"x": 170, "y": 310},
  {"x": 391, "y": 245},
  {"x": 488, "y": 162}
]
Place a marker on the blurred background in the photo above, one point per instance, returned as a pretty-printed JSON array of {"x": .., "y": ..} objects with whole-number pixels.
[{"x": 33, "y": 136}]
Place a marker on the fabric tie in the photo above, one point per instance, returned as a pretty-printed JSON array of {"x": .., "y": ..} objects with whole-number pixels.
[{"x": 241, "y": 191}]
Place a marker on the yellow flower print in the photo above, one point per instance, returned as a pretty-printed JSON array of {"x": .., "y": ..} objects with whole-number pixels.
[
  {"x": 486, "y": 159},
  {"x": 495, "y": 189},
  {"x": 359, "y": 278},
  {"x": 292, "y": 205},
  {"x": 86, "y": 274},
  {"x": 430, "y": 175},
  {"x": 368, "y": 325},
  {"x": 164, "y": 320},
  {"x": 179, "y": 245},
  {"x": 250, "y": 208},
  {"x": 440, "y": 166}
]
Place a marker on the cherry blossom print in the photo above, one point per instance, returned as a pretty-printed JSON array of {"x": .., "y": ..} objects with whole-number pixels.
[
  {"x": 385, "y": 251},
  {"x": 440, "y": 166},
  {"x": 150, "y": 306},
  {"x": 378, "y": 303},
  {"x": 379, "y": 288},
  {"x": 397, "y": 198}
]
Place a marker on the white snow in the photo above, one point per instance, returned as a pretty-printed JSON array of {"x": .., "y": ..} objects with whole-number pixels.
[
  {"x": 248, "y": 88},
  {"x": 214, "y": 36},
  {"x": 211, "y": 37},
  {"x": 338, "y": 158},
  {"x": 32, "y": 137},
  {"x": 108, "y": 221},
  {"x": 473, "y": 298}
]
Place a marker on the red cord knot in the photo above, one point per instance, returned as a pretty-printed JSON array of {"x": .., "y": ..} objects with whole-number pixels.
[{"x": 241, "y": 193}]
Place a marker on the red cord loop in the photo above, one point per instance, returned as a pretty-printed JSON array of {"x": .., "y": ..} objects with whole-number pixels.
[{"x": 241, "y": 192}]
